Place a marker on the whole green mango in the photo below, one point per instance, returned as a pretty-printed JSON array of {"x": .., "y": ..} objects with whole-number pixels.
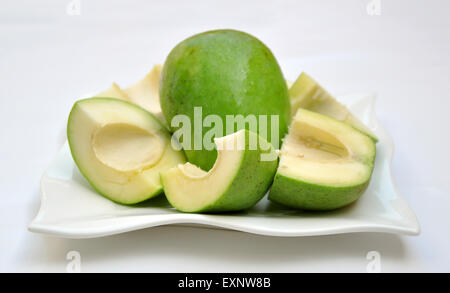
[{"x": 222, "y": 73}]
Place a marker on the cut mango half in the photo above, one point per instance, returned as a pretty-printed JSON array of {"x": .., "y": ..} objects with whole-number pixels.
[
  {"x": 324, "y": 163},
  {"x": 239, "y": 178},
  {"x": 120, "y": 148}
]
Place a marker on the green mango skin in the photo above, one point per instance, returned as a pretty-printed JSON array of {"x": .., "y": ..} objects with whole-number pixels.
[
  {"x": 306, "y": 196},
  {"x": 226, "y": 72}
]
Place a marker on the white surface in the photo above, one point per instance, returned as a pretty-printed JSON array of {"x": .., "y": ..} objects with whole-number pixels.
[
  {"x": 48, "y": 58},
  {"x": 70, "y": 208}
]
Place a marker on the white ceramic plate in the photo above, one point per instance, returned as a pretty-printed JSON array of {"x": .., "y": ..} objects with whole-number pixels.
[{"x": 71, "y": 208}]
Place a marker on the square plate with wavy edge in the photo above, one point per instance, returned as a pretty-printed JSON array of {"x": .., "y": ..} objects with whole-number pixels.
[{"x": 70, "y": 208}]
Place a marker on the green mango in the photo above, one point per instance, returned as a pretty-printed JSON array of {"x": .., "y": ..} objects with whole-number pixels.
[{"x": 223, "y": 72}]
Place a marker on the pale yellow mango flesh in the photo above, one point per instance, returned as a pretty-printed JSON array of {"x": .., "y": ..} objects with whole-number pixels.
[
  {"x": 144, "y": 93},
  {"x": 323, "y": 151},
  {"x": 306, "y": 93},
  {"x": 114, "y": 92}
]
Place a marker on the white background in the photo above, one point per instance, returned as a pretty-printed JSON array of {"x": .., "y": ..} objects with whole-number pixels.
[{"x": 49, "y": 58}]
